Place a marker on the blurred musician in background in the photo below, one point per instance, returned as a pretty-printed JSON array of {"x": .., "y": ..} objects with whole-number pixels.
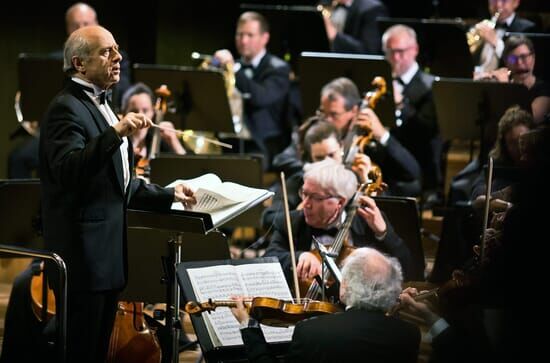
[
  {"x": 351, "y": 25},
  {"x": 263, "y": 80}
]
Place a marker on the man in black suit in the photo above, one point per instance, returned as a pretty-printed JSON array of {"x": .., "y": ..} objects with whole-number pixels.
[
  {"x": 488, "y": 56},
  {"x": 371, "y": 283},
  {"x": 351, "y": 26},
  {"x": 263, "y": 80},
  {"x": 327, "y": 189},
  {"x": 87, "y": 185},
  {"x": 416, "y": 123}
]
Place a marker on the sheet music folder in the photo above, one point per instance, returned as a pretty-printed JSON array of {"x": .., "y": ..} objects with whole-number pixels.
[
  {"x": 199, "y": 99},
  {"x": 220, "y": 353}
]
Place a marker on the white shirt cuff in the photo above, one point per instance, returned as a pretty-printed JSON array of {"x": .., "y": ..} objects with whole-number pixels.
[
  {"x": 384, "y": 139},
  {"x": 437, "y": 328}
]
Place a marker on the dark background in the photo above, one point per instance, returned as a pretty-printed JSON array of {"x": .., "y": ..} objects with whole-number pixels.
[{"x": 167, "y": 31}]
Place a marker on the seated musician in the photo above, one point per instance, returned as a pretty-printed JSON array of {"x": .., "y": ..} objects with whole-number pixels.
[
  {"x": 371, "y": 283},
  {"x": 328, "y": 187},
  {"x": 318, "y": 139},
  {"x": 140, "y": 99},
  {"x": 339, "y": 104}
]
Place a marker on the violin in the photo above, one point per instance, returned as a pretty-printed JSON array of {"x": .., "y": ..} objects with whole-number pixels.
[
  {"x": 362, "y": 136},
  {"x": 270, "y": 311},
  {"x": 161, "y": 106}
]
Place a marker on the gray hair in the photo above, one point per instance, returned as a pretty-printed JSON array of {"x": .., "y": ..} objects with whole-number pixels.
[
  {"x": 333, "y": 177},
  {"x": 396, "y": 29},
  {"x": 136, "y": 89},
  {"x": 78, "y": 46},
  {"x": 371, "y": 280},
  {"x": 342, "y": 87}
]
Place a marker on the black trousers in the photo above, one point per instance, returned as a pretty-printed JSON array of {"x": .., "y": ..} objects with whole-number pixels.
[{"x": 90, "y": 319}]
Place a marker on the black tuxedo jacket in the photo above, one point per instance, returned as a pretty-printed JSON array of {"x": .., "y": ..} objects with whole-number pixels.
[
  {"x": 351, "y": 336},
  {"x": 265, "y": 98},
  {"x": 361, "y": 34},
  {"x": 361, "y": 234},
  {"x": 83, "y": 198},
  {"x": 420, "y": 131},
  {"x": 521, "y": 25}
]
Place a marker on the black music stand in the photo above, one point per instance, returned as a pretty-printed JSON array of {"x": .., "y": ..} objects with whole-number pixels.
[
  {"x": 403, "y": 214},
  {"x": 317, "y": 69},
  {"x": 288, "y": 35},
  {"x": 199, "y": 97},
  {"x": 20, "y": 201},
  {"x": 442, "y": 42},
  {"x": 470, "y": 110},
  {"x": 224, "y": 353},
  {"x": 40, "y": 77},
  {"x": 541, "y": 42},
  {"x": 241, "y": 169}
]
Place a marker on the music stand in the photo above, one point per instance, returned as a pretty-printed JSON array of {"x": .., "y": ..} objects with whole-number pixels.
[
  {"x": 317, "y": 69},
  {"x": 541, "y": 42},
  {"x": 241, "y": 169},
  {"x": 40, "y": 77},
  {"x": 470, "y": 110},
  {"x": 443, "y": 50},
  {"x": 199, "y": 97},
  {"x": 223, "y": 353},
  {"x": 402, "y": 212},
  {"x": 287, "y": 36},
  {"x": 21, "y": 225}
]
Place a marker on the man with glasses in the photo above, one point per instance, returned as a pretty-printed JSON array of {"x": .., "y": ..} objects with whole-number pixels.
[
  {"x": 487, "y": 58},
  {"x": 328, "y": 187},
  {"x": 416, "y": 124}
]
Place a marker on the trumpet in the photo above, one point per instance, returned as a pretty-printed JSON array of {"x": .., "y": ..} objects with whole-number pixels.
[{"x": 474, "y": 38}]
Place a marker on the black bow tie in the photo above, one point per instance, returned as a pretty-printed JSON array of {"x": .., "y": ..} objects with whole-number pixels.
[
  {"x": 325, "y": 232},
  {"x": 503, "y": 25},
  {"x": 400, "y": 81},
  {"x": 102, "y": 97}
]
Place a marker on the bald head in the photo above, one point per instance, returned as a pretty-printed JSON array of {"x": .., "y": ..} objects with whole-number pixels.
[{"x": 79, "y": 15}]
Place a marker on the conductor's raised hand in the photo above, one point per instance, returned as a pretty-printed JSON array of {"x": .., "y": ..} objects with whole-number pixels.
[
  {"x": 132, "y": 122},
  {"x": 185, "y": 195}
]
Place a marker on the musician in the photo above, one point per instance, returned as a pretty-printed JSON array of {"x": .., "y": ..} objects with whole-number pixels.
[
  {"x": 489, "y": 55},
  {"x": 339, "y": 105},
  {"x": 139, "y": 99},
  {"x": 319, "y": 139},
  {"x": 263, "y": 80},
  {"x": 87, "y": 185},
  {"x": 416, "y": 123},
  {"x": 328, "y": 187},
  {"x": 351, "y": 26},
  {"x": 371, "y": 283}
]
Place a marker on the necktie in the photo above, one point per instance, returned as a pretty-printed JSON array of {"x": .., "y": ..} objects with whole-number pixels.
[
  {"x": 248, "y": 70},
  {"x": 400, "y": 81}
]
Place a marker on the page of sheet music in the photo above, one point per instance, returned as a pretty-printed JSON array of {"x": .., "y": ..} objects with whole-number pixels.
[
  {"x": 267, "y": 279},
  {"x": 218, "y": 283},
  {"x": 222, "y": 281}
]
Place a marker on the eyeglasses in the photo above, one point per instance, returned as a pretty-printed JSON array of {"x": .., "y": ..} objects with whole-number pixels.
[
  {"x": 314, "y": 197},
  {"x": 332, "y": 115},
  {"x": 514, "y": 59},
  {"x": 400, "y": 51}
]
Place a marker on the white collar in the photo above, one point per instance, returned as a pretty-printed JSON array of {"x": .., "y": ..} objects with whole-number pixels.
[
  {"x": 409, "y": 74},
  {"x": 257, "y": 59},
  {"x": 510, "y": 19},
  {"x": 97, "y": 90}
]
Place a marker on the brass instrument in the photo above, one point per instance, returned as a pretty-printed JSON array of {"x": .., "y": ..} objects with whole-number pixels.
[
  {"x": 473, "y": 37},
  {"x": 233, "y": 94},
  {"x": 326, "y": 10}
]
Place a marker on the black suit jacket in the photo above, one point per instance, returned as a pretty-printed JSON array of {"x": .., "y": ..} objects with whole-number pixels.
[
  {"x": 351, "y": 336},
  {"x": 419, "y": 132},
  {"x": 265, "y": 98},
  {"x": 361, "y": 34},
  {"x": 521, "y": 25},
  {"x": 360, "y": 232},
  {"x": 83, "y": 198}
]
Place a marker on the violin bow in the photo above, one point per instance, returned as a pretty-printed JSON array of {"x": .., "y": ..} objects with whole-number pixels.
[
  {"x": 487, "y": 207},
  {"x": 290, "y": 239}
]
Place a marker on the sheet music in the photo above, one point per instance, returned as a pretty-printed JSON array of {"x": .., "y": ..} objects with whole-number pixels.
[{"x": 222, "y": 281}]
